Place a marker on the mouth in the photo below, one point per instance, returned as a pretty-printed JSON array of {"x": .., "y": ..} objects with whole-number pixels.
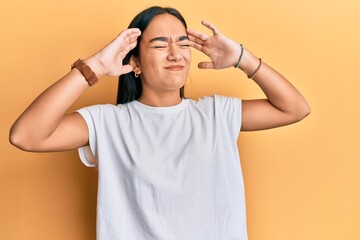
[{"x": 174, "y": 67}]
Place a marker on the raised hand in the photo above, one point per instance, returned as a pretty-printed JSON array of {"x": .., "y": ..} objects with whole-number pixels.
[
  {"x": 222, "y": 51},
  {"x": 45, "y": 126},
  {"x": 111, "y": 56}
]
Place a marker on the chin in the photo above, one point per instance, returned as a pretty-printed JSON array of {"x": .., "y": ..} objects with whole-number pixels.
[{"x": 176, "y": 84}]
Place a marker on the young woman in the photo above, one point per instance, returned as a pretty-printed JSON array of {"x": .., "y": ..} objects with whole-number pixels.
[{"x": 168, "y": 166}]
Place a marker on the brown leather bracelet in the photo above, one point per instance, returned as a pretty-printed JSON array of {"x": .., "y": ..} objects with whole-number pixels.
[{"x": 86, "y": 71}]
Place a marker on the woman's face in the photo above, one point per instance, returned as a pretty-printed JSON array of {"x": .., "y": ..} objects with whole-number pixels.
[{"x": 165, "y": 55}]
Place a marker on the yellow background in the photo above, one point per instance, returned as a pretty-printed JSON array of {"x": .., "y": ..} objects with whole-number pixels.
[{"x": 302, "y": 181}]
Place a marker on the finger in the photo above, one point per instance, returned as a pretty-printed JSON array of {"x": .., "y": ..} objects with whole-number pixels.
[
  {"x": 210, "y": 26},
  {"x": 134, "y": 35},
  {"x": 195, "y": 40},
  {"x": 197, "y": 35},
  {"x": 126, "y": 69},
  {"x": 132, "y": 45},
  {"x": 131, "y": 39},
  {"x": 126, "y": 50},
  {"x": 196, "y": 45},
  {"x": 130, "y": 31},
  {"x": 206, "y": 65},
  {"x": 128, "y": 35},
  {"x": 127, "y": 44}
]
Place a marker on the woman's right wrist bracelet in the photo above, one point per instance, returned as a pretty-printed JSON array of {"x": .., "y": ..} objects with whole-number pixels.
[{"x": 86, "y": 71}]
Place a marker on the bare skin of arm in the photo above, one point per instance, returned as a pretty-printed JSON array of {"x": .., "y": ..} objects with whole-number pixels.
[
  {"x": 284, "y": 104},
  {"x": 45, "y": 126}
]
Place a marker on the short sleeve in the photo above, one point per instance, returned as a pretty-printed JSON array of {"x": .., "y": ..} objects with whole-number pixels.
[
  {"x": 89, "y": 114},
  {"x": 228, "y": 110}
]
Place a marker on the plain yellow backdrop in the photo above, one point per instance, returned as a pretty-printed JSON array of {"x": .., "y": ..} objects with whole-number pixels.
[{"x": 302, "y": 181}]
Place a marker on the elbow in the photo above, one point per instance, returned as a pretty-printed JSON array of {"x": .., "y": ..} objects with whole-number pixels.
[
  {"x": 19, "y": 140},
  {"x": 302, "y": 112},
  {"x": 15, "y": 138},
  {"x": 306, "y": 110}
]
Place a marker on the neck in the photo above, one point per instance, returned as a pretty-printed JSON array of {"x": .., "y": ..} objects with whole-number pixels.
[{"x": 160, "y": 100}]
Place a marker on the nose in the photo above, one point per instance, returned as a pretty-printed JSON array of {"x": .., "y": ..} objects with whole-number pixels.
[{"x": 174, "y": 54}]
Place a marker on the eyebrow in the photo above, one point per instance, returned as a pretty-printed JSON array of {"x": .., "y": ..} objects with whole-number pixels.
[{"x": 166, "y": 39}]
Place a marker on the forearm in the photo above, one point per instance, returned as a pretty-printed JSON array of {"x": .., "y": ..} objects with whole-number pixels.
[
  {"x": 284, "y": 104},
  {"x": 44, "y": 126},
  {"x": 44, "y": 114},
  {"x": 279, "y": 91}
]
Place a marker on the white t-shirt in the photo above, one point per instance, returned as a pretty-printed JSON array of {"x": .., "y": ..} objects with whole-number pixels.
[{"x": 168, "y": 173}]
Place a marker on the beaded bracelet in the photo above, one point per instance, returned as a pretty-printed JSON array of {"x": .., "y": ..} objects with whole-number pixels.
[
  {"x": 241, "y": 55},
  {"x": 256, "y": 70}
]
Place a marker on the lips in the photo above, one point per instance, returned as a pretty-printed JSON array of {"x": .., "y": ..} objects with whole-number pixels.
[{"x": 175, "y": 67}]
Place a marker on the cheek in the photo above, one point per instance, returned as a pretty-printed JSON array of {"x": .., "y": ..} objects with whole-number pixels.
[
  {"x": 187, "y": 56},
  {"x": 149, "y": 63},
  {"x": 153, "y": 57}
]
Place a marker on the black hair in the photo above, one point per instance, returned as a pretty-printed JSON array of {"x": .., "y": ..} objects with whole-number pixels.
[{"x": 129, "y": 87}]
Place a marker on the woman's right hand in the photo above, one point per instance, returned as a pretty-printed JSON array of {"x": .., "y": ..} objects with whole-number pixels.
[
  {"x": 45, "y": 126},
  {"x": 108, "y": 61}
]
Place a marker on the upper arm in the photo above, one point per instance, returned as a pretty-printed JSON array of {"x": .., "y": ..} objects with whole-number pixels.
[
  {"x": 260, "y": 114},
  {"x": 71, "y": 133}
]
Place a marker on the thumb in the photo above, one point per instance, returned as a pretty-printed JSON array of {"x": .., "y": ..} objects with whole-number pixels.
[
  {"x": 206, "y": 65},
  {"x": 126, "y": 69}
]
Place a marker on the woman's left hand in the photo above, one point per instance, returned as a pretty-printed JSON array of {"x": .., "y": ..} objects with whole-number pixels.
[{"x": 222, "y": 51}]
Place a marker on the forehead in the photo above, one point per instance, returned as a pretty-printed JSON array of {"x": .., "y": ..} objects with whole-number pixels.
[{"x": 164, "y": 25}]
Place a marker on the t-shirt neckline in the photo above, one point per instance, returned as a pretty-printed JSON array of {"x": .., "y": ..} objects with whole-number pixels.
[{"x": 170, "y": 109}]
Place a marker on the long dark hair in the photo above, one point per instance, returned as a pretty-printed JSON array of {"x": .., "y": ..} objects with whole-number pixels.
[{"x": 129, "y": 87}]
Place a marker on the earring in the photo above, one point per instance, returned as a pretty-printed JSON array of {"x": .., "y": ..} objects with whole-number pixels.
[{"x": 136, "y": 75}]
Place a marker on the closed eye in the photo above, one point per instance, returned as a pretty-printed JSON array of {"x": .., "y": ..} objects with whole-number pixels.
[
  {"x": 184, "y": 43},
  {"x": 160, "y": 46}
]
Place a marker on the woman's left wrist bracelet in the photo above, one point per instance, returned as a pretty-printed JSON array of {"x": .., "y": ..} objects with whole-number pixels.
[
  {"x": 86, "y": 71},
  {"x": 256, "y": 70},
  {"x": 240, "y": 57}
]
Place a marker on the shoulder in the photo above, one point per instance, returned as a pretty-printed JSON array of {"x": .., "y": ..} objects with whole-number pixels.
[
  {"x": 217, "y": 100},
  {"x": 104, "y": 113},
  {"x": 104, "y": 108}
]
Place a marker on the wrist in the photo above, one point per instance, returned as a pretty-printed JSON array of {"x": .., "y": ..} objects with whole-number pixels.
[
  {"x": 96, "y": 66},
  {"x": 86, "y": 71},
  {"x": 237, "y": 65},
  {"x": 249, "y": 62}
]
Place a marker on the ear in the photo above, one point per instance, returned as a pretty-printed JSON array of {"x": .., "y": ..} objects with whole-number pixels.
[{"x": 134, "y": 62}]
